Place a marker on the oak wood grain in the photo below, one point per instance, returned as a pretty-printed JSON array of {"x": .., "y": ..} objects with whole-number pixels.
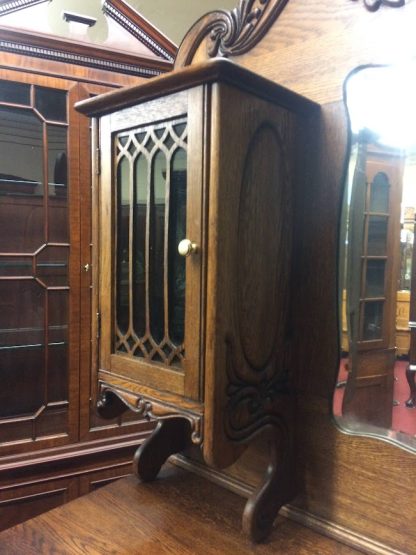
[
  {"x": 356, "y": 483},
  {"x": 129, "y": 517}
]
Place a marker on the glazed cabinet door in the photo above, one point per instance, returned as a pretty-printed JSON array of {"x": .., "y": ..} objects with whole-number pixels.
[
  {"x": 151, "y": 200},
  {"x": 39, "y": 262}
]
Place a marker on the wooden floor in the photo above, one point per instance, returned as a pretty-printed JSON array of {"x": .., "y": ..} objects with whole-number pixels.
[{"x": 179, "y": 514}]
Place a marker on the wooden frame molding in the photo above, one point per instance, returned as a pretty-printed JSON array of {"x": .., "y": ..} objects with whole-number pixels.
[
  {"x": 231, "y": 33},
  {"x": 50, "y": 48},
  {"x": 320, "y": 525},
  {"x": 16, "y": 5},
  {"x": 140, "y": 28}
]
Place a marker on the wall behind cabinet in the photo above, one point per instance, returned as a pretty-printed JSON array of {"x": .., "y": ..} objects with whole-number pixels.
[{"x": 359, "y": 489}]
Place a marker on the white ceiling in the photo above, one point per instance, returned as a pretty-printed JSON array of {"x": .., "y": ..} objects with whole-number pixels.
[{"x": 175, "y": 17}]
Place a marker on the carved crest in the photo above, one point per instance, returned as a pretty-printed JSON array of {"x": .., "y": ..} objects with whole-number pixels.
[
  {"x": 231, "y": 33},
  {"x": 238, "y": 30}
]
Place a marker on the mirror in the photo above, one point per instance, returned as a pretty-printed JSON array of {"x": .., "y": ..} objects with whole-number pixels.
[{"x": 375, "y": 392}]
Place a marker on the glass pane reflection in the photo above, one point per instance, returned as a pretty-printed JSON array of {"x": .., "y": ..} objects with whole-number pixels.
[
  {"x": 377, "y": 235},
  {"x": 176, "y": 264},
  {"x": 379, "y": 200},
  {"x": 156, "y": 247},
  {"x": 375, "y": 278}
]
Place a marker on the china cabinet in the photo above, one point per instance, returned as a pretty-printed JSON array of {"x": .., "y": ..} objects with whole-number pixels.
[
  {"x": 51, "y": 440},
  {"x": 372, "y": 281},
  {"x": 197, "y": 181}
]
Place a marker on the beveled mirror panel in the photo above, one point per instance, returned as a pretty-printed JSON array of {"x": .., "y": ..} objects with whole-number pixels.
[{"x": 375, "y": 392}]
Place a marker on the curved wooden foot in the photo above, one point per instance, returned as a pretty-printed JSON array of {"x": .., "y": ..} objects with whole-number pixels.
[
  {"x": 170, "y": 436},
  {"x": 277, "y": 489},
  {"x": 410, "y": 376},
  {"x": 109, "y": 405}
]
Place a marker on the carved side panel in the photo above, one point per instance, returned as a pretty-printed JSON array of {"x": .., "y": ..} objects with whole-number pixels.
[
  {"x": 256, "y": 366},
  {"x": 249, "y": 270}
]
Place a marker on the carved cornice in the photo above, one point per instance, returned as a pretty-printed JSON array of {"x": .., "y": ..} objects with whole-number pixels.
[
  {"x": 231, "y": 33},
  {"x": 374, "y": 5},
  {"x": 140, "y": 29},
  {"x": 52, "y": 48},
  {"x": 89, "y": 61},
  {"x": 15, "y": 5}
]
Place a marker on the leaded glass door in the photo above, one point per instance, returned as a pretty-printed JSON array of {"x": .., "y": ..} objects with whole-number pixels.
[
  {"x": 151, "y": 320},
  {"x": 39, "y": 262}
]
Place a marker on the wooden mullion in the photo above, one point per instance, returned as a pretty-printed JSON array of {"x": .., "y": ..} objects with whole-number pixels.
[
  {"x": 46, "y": 238},
  {"x": 147, "y": 242},
  {"x": 45, "y": 181},
  {"x": 131, "y": 222},
  {"x": 46, "y": 346}
]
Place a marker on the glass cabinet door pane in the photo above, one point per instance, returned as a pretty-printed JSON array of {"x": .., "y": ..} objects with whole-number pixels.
[
  {"x": 21, "y": 180},
  {"x": 374, "y": 286},
  {"x": 123, "y": 251},
  {"x": 176, "y": 263},
  {"x": 51, "y": 103},
  {"x": 377, "y": 236},
  {"x": 157, "y": 247},
  {"x": 379, "y": 194},
  {"x": 15, "y": 93},
  {"x": 139, "y": 245},
  {"x": 373, "y": 320}
]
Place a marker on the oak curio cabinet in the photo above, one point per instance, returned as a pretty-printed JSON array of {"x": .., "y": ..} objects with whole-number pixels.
[{"x": 197, "y": 184}]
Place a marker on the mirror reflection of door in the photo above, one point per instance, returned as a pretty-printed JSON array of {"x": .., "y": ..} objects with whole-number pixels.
[{"x": 375, "y": 392}]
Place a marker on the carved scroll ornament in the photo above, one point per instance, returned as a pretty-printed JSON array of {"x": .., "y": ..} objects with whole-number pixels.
[
  {"x": 374, "y": 5},
  {"x": 112, "y": 402},
  {"x": 230, "y": 33},
  {"x": 255, "y": 404}
]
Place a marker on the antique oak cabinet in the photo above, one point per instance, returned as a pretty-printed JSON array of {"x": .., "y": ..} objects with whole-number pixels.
[{"x": 196, "y": 183}]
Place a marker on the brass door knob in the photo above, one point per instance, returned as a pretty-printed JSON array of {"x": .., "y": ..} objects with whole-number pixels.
[{"x": 186, "y": 247}]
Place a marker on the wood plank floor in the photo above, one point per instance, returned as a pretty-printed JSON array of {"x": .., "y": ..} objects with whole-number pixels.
[{"x": 178, "y": 514}]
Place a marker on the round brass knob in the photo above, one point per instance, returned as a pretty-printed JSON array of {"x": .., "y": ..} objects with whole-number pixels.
[{"x": 186, "y": 247}]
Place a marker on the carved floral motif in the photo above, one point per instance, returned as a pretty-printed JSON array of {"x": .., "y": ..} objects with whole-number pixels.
[
  {"x": 236, "y": 31},
  {"x": 230, "y": 33},
  {"x": 252, "y": 405}
]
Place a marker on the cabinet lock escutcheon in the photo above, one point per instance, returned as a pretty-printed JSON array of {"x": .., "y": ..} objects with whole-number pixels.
[{"x": 186, "y": 247}]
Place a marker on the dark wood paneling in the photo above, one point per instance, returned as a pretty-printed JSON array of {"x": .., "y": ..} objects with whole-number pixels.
[
  {"x": 99, "y": 478},
  {"x": 20, "y": 503}
]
